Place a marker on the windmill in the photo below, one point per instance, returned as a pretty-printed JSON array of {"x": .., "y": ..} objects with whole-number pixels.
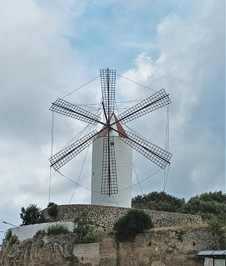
[{"x": 111, "y": 174}]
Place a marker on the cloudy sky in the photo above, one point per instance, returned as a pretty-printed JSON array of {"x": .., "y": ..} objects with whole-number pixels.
[{"x": 48, "y": 49}]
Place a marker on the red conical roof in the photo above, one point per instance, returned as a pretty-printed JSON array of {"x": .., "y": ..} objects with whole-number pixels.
[{"x": 117, "y": 126}]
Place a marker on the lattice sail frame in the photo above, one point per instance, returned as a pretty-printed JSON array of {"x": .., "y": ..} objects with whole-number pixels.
[
  {"x": 151, "y": 151},
  {"x": 154, "y": 102},
  {"x": 68, "y": 153},
  {"x": 109, "y": 184},
  {"x": 108, "y": 78},
  {"x": 65, "y": 108}
]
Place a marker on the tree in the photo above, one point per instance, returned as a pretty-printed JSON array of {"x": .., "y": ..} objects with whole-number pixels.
[
  {"x": 207, "y": 205},
  {"x": 217, "y": 226},
  {"x": 134, "y": 222},
  {"x": 31, "y": 215},
  {"x": 159, "y": 201}
]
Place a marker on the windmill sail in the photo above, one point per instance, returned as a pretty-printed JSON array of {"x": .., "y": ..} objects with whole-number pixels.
[
  {"x": 109, "y": 176},
  {"x": 65, "y": 108},
  {"x": 68, "y": 153},
  {"x": 155, "y": 101},
  {"x": 152, "y": 152},
  {"x": 108, "y": 77}
]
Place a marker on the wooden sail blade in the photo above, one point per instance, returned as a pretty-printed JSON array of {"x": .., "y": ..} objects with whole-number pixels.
[
  {"x": 108, "y": 78},
  {"x": 109, "y": 182},
  {"x": 155, "y": 101},
  {"x": 65, "y": 108},
  {"x": 68, "y": 153},
  {"x": 152, "y": 152}
]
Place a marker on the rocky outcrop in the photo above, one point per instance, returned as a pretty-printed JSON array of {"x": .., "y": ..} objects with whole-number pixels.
[
  {"x": 158, "y": 247},
  {"x": 105, "y": 216},
  {"x": 161, "y": 246}
]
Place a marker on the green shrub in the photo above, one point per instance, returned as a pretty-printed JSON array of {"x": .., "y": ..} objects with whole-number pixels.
[
  {"x": 215, "y": 226},
  {"x": 52, "y": 209},
  {"x": 57, "y": 229},
  {"x": 92, "y": 237},
  {"x": 218, "y": 227},
  {"x": 85, "y": 230},
  {"x": 134, "y": 222}
]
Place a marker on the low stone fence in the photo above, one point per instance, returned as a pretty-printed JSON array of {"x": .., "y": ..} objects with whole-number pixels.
[{"x": 106, "y": 216}]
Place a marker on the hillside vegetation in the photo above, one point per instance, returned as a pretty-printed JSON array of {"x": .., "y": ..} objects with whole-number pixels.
[{"x": 209, "y": 206}]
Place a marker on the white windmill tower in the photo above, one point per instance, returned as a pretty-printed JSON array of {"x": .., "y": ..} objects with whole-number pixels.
[
  {"x": 105, "y": 192},
  {"x": 112, "y": 145}
]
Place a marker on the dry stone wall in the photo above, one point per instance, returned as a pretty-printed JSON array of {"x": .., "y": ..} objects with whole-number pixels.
[{"x": 106, "y": 216}]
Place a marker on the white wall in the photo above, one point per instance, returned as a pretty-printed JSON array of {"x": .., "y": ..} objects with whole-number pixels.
[
  {"x": 28, "y": 231},
  {"x": 208, "y": 262},
  {"x": 123, "y": 154},
  {"x": 88, "y": 253}
]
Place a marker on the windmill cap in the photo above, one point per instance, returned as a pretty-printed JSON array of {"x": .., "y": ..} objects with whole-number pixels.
[{"x": 116, "y": 125}]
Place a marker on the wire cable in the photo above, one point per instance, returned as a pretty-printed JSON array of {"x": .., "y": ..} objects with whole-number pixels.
[
  {"x": 136, "y": 133},
  {"x": 102, "y": 200},
  {"x": 166, "y": 170},
  {"x": 138, "y": 179},
  {"x": 106, "y": 197},
  {"x": 136, "y": 83},
  {"x": 115, "y": 200},
  {"x": 142, "y": 180},
  {"x": 51, "y": 153},
  {"x": 77, "y": 183},
  {"x": 100, "y": 192},
  {"x": 79, "y": 175},
  {"x": 80, "y": 87},
  {"x": 166, "y": 174}
]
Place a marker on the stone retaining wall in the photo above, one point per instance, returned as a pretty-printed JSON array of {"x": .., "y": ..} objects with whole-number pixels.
[
  {"x": 105, "y": 216},
  {"x": 158, "y": 247}
]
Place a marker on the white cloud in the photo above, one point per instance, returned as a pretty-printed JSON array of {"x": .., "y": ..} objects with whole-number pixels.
[{"x": 186, "y": 46}]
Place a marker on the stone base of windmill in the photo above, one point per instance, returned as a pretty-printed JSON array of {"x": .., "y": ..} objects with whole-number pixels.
[{"x": 105, "y": 216}]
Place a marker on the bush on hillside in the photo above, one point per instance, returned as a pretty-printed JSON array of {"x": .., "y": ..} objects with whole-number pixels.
[
  {"x": 82, "y": 225},
  {"x": 52, "y": 209},
  {"x": 85, "y": 230},
  {"x": 57, "y": 229},
  {"x": 134, "y": 222}
]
